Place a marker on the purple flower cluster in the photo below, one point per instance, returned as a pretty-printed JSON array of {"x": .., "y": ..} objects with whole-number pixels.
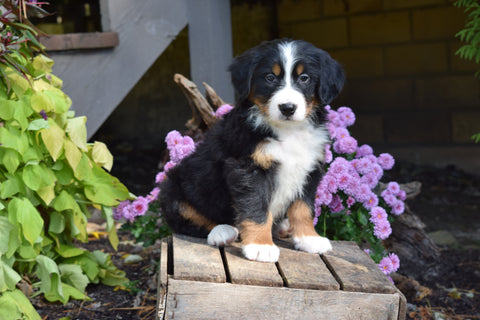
[
  {"x": 389, "y": 264},
  {"x": 179, "y": 147},
  {"x": 130, "y": 209},
  {"x": 355, "y": 178}
]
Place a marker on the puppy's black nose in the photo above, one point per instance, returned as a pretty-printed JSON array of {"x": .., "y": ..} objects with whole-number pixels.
[{"x": 287, "y": 109}]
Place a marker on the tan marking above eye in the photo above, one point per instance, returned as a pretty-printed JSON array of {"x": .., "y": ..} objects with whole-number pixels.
[
  {"x": 276, "y": 69},
  {"x": 300, "y": 68}
]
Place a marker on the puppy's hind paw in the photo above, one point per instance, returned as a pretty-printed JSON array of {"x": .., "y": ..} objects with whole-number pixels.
[
  {"x": 222, "y": 235},
  {"x": 261, "y": 252}
]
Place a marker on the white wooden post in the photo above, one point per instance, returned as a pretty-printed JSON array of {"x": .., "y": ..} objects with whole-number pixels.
[{"x": 210, "y": 43}]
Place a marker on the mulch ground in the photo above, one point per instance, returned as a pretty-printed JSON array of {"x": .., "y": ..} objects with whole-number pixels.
[{"x": 449, "y": 289}]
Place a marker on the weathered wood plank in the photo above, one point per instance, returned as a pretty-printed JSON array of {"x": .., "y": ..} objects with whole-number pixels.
[
  {"x": 194, "y": 259},
  {"x": 303, "y": 270},
  {"x": 355, "y": 270},
  {"x": 196, "y": 300},
  {"x": 162, "y": 281},
  {"x": 71, "y": 41},
  {"x": 243, "y": 271}
]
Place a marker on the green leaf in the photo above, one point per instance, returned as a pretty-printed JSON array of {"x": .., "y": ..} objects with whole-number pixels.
[
  {"x": 105, "y": 189},
  {"x": 22, "y": 112},
  {"x": 15, "y": 305},
  {"x": 72, "y": 153},
  {"x": 28, "y": 217},
  {"x": 49, "y": 275},
  {"x": 64, "y": 201},
  {"x": 11, "y": 160},
  {"x": 41, "y": 102},
  {"x": 78, "y": 225},
  {"x": 77, "y": 131},
  {"x": 83, "y": 171},
  {"x": 109, "y": 274},
  {"x": 8, "y": 277},
  {"x": 57, "y": 223},
  {"x": 13, "y": 139},
  {"x": 5, "y": 228},
  {"x": 63, "y": 173},
  {"x": 38, "y": 176},
  {"x": 89, "y": 265},
  {"x": 7, "y": 110},
  {"x": 53, "y": 139},
  {"x": 13, "y": 185},
  {"x": 38, "y": 124},
  {"x": 60, "y": 100},
  {"x": 107, "y": 214},
  {"x": 47, "y": 193},
  {"x": 72, "y": 292},
  {"x": 102, "y": 156},
  {"x": 67, "y": 251},
  {"x": 362, "y": 218},
  {"x": 72, "y": 274}
]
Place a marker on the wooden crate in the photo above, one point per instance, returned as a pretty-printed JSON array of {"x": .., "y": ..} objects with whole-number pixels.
[{"x": 198, "y": 281}]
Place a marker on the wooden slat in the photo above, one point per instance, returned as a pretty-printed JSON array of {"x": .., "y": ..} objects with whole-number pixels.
[
  {"x": 243, "y": 271},
  {"x": 197, "y": 300},
  {"x": 304, "y": 270},
  {"x": 355, "y": 270},
  {"x": 74, "y": 41},
  {"x": 162, "y": 281},
  {"x": 194, "y": 259}
]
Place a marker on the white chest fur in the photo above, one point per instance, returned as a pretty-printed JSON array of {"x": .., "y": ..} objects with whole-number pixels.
[{"x": 298, "y": 151}]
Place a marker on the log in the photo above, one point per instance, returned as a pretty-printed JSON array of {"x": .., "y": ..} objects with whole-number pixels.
[
  {"x": 202, "y": 112},
  {"x": 212, "y": 97}
]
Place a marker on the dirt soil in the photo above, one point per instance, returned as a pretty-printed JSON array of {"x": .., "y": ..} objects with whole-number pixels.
[{"x": 447, "y": 289}]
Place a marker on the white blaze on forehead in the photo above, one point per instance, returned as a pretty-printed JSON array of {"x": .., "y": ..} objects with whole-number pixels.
[
  {"x": 288, "y": 54},
  {"x": 288, "y": 93}
]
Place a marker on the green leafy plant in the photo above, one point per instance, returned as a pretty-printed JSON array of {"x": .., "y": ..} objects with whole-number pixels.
[
  {"x": 50, "y": 179},
  {"x": 471, "y": 35}
]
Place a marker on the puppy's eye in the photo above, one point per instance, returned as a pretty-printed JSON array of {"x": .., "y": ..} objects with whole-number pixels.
[
  {"x": 304, "y": 78},
  {"x": 270, "y": 77}
]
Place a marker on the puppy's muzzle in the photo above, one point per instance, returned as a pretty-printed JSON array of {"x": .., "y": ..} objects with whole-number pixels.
[{"x": 287, "y": 109}]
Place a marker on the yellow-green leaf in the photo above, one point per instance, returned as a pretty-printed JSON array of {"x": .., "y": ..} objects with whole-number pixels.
[
  {"x": 7, "y": 109},
  {"x": 40, "y": 101},
  {"x": 15, "y": 305},
  {"x": 43, "y": 63},
  {"x": 72, "y": 153},
  {"x": 46, "y": 193},
  {"x": 18, "y": 82},
  {"x": 105, "y": 189},
  {"x": 77, "y": 131},
  {"x": 102, "y": 156},
  {"x": 28, "y": 217},
  {"x": 11, "y": 160},
  {"x": 53, "y": 139}
]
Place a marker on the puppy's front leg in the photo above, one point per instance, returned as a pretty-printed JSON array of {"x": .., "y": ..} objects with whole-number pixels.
[
  {"x": 257, "y": 241},
  {"x": 304, "y": 236}
]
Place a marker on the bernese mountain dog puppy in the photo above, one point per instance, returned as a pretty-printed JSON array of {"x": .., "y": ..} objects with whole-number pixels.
[{"x": 258, "y": 168}]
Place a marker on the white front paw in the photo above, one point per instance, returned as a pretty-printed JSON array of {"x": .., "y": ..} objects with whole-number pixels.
[
  {"x": 312, "y": 244},
  {"x": 261, "y": 252},
  {"x": 222, "y": 235}
]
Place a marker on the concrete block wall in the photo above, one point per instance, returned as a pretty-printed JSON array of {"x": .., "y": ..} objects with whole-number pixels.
[
  {"x": 404, "y": 78},
  {"x": 405, "y": 83}
]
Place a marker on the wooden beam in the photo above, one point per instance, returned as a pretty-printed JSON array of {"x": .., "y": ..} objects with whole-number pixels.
[
  {"x": 75, "y": 41},
  {"x": 210, "y": 44}
]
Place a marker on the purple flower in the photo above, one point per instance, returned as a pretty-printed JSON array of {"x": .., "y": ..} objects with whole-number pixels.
[
  {"x": 378, "y": 215},
  {"x": 347, "y": 117},
  {"x": 173, "y": 138},
  {"x": 395, "y": 261},
  {"x": 118, "y": 211},
  {"x": 43, "y": 114},
  {"x": 386, "y": 161},
  {"x": 382, "y": 230},
  {"x": 336, "y": 204},
  {"x": 398, "y": 207},
  {"x": 153, "y": 194},
  {"x": 223, "y": 110},
  {"x": 345, "y": 145},
  {"x": 386, "y": 265},
  {"x": 328, "y": 154},
  {"x": 393, "y": 187},
  {"x": 350, "y": 201},
  {"x": 160, "y": 177},
  {"x": 371, "y": 202},
  {"x": 140, "y": 206},
  {"x": 364, "y": 150},
  {"x": 389, "y": 198},
  {"x": 169, "y": 165}
]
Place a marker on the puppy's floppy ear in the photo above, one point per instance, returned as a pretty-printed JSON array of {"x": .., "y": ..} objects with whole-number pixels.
[
  {"x": 331, "y": 79},
  {"x": 242, "y": 71}
]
